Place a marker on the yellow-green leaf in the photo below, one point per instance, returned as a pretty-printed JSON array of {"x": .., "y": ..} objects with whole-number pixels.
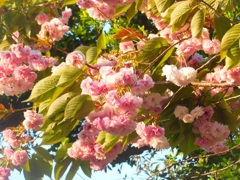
[
  {"x": 181, "y": 13},
  {"x": 197, "y": 23}
]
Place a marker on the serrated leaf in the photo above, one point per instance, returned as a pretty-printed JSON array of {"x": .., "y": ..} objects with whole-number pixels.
[
  {"x": 43, "y": 89},
  {"x": 228, "y": 40},
  {"x": 163, "y": 5},
  {"x": 197, "y": 23},
  {"x": 181, "y": 13},
  {"x": 78, "y": 107},
  {"x": 107, "y": 140}
]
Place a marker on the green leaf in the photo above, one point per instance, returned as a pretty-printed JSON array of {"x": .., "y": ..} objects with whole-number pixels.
[
  {"x": 4, "y": 45},
  {"x": 223, "y": 114},
  {"x": 78, "y": 107},
  {"x": 85, "y": 165},
  {"x": 69, "y": 74},
  {"x": 157, "y": 69},
  {"x": 220, "y": 29},
  {"x": 92, "y": 54},
  {"x": 132, "y": 11},
  {"x": 102, "y": 42},
  {"x": 61, "y": 167},
  {"x": 121, "y": 9},
  {"x": 151, "y": 49},
  {"x": 163, "y": 5},
  {"x": 69, "y": 2},
  {"x": 233, "y": 55},
  {"x": 181, "y": 13},
  {"x": 73, "y": 169},
  {"x": 197, "y": 23},
  {"x": 59, "y": 105},
  {"x": 43, "y": 153},
  {"x": 57, "y": 132},
  {"x": 128, "y": 139},
  {"x": 44, "y": 89},
  {"x": 187, "y": 145},
  {"x": 62, "y": 152},
  {"x": 229, "y": 39},
  {"x": 107, "y": 140}
]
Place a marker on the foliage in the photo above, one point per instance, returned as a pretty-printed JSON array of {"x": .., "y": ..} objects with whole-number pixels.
[{"x": 118, "y": 79}]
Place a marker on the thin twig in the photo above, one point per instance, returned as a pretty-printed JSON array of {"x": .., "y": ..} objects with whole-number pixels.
[
  {"x": 216, "y": 171},
  {"x": 208, "y": 62}
]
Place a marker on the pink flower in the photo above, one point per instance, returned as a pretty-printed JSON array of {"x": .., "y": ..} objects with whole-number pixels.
[
  {"x": 107, "y": 10},
  {"x": 21, "y": 52},
  {"x": 4, "y": 173},
  {"x": 42, "y": 18},
  {"x": 126, "y": 46},
  {"x": 125, "y": 77},
  {"x": 32, "y": 120},
  {"x": 19, "y": 158},
  {"x": 76, "y": 58},
  {"x": 81, "y": 150},
  {"x": 66, "y": 14},
  {"x": 211, "y": 47},
  {"x": 8, "y": 152},
  {"x": 11, "y": 138},
  {"x": 152, "y": 136}
]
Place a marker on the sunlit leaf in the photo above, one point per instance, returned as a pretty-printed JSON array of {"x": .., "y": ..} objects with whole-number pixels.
[{"x": 197, "y": 23}]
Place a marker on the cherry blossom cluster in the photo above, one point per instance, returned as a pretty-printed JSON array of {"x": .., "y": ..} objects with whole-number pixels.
[
  {"x": 103, "y": 9},
  {"x": 86, "y": 148},
  {"x": 223, "y": 75},
  {"x": 212, "y": 134},
  {"x": 54, "y": 29},
  {"x": 17, "y": 66},
  {"x": 18, "y": 141},
  {"x": 180, "y": 77},
  {"x": 152, "y": 136},
  {"x": 182, "y": 113},
  {"x": 119, "y": 91},
  {"x": 187, "y": 47}
]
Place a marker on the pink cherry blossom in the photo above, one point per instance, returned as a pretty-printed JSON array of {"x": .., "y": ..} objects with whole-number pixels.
[
  {"x": 8, "y": 152},
  {"x": 126, "y": 46},
  {"x": 11, "y": 138},
  {"x": 76, "y": 58},
  {"x": 19, "y": 158},
  {"x": 42, "y": 18},
  {"x": 32, "y": 120},
  {"x": 66, "y": 14},
  {"x": 4, "y": 173}
]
